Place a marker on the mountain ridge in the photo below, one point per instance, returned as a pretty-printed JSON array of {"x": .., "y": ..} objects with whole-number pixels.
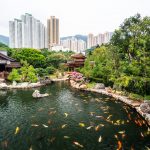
[
  {"x": 78, "y": 36},
  {"x": 4, "y": 39}
]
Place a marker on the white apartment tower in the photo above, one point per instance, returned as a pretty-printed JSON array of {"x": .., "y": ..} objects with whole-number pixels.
[
  {"x": 74, "y": 44},
  {"x": 15, "y": 33},
  {"x": 27, "y": 33},
  {"x": 90, "y": 40},
  {"x": 99, "y": 39},
  {"x": 11, "y": 34}
]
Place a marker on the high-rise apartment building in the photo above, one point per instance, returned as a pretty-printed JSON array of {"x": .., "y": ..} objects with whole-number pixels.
[
  {"x": 90, "y": 40},
  {"x": 81, "y": 46},
  {"x": 27, "y": 32},
  {"x": 52, "y": 32},
  {"x": 74, "y": 44},
  {"x": 17, "y": 33},
  {"x": 99, "y": 39},
  {"x": 107, "y": 36},
  {"x": 11, "y": 34}
]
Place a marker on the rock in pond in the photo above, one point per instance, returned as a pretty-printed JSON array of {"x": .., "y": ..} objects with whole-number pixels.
[{"x": 36, "y": 94}]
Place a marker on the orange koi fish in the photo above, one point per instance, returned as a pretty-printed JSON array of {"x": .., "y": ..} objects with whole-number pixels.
[
  {"x": 78, "y": 144},
  {"x": 119, "y": 145}
]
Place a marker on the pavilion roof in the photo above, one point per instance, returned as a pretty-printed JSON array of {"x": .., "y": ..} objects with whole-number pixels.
[
  {"x": 80, "y": 56},
  {"x": 6, "y": 57}
]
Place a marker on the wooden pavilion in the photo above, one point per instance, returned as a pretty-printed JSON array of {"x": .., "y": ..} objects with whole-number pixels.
[
  {"x": 6, "y": 65},
  {"x": 76, "y": 62}
]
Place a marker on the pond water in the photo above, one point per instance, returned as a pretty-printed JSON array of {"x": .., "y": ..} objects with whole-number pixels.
[{"x": 68, "y": 120}]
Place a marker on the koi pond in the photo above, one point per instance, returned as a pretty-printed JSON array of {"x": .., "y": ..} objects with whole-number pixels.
[{"x": 68, "y": 119}]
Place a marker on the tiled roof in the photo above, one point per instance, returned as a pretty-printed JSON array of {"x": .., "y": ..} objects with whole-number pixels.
[
  {"x": 78, "y": 56},
  {"x": 7, "y": 58}
]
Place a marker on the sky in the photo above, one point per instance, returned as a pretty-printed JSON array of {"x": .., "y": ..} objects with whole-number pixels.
[{"x": 75, "y": 16}]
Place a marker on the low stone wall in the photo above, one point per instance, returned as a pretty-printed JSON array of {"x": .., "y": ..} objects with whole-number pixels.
[
  {"x": 124, "y": 99},
  {"x": 23, "y": 85}
]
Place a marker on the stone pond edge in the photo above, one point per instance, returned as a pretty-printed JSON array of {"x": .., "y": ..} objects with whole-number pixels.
[
  {"x": 124, "y": 99},
  {"x": 27, "y": 85}
]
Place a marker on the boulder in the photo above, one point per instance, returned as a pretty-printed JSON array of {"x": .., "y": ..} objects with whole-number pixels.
[
  {"x": 83, "y": 86},
  {"x": 135, "y": 103},
  {"x": 3, "y": 86},
  {"x": 145, "y": 107},
  {"x": 36, "y": 94},
  {"x": 147, "y": 101},
  {"x": 14, "y": 83},
  {"x": 147, "y": 118},
  {"x": 109, "y": 89},
  {"x": 77, "y": 85},
  {"x": 99, "y": 86}
]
